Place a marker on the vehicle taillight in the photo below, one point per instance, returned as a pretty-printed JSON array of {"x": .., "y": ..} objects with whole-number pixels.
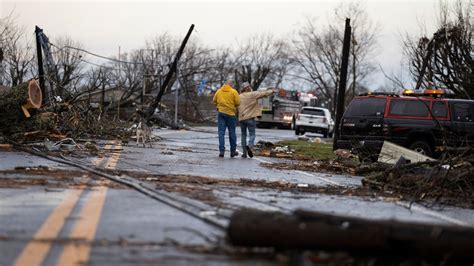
[
  {"x": 324, "y": 120},
  {"x": 298, "y": 117}
]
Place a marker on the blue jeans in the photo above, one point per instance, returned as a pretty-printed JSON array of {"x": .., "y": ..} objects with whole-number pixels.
[
  {"x": 249, "y": 125},
  {"x": 230, "y": 122}
]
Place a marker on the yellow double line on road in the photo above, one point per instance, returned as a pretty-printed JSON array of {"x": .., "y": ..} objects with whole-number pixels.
[{"x": 84, "y": 228}]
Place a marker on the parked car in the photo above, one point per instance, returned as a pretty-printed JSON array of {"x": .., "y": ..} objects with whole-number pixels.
[
  {"x": 314, "y": 119},
  {"x": 422, "y": 122}
]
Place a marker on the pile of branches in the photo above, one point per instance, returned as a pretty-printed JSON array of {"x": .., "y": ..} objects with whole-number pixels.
[
  {"x": 67, "y": 120},
  {"x": 447, "y": 181},
  {"x": 81, "y": 120}
]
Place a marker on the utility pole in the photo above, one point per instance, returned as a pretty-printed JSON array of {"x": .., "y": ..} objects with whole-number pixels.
[
  {"x": 342, "y": 80},
  {"x": 143, "y": 89},
  {"x": 39, "y": 55},
  {"x": 120, "y": 85},
  {"x": 169, "y": 76},
  {"x": 176, "y": 102}
]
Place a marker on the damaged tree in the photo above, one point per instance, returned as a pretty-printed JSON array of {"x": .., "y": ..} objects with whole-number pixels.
[
  {"x": 446, "y": 59},
  {"x": 18, "y": 106},
  {"x": 16, "y": 102}
]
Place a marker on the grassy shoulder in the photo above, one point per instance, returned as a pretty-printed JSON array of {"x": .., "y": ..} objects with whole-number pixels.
[{"x": 309, "y": 150}]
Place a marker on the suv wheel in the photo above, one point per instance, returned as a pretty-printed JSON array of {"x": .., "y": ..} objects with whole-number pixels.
[{"x": 421, "y": 147}]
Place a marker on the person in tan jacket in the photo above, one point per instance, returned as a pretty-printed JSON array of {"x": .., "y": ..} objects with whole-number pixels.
[{"x": 248, "y": 110}]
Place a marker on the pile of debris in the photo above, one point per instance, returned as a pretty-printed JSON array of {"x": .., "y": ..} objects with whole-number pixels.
[
  {"x": 268, "y": 149},
  {"x": 446, "y": 181},
  {"x": 342, "y": 162},
  {"x": 332, "y": 166},
  {"x": 24, "y": 119}
]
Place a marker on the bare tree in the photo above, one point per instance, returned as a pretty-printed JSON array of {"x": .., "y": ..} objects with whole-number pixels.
[
  {"x": 223, "y": 65},
  {"x": 445, "y": 59},
  {"x": 128, "y": 76},
  {"x": 17, "y": 53},
  {"x": 159, "y": 54},
  {"x": 318, "y": 52},
  {"x": 262, "y": 56},
  {"x": 67, "y": 72}
]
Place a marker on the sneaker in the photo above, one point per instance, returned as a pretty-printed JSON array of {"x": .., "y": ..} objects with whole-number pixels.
[
  {"x": 249, "y": 151},
  {"x": 221, "y": 155},
  {"x": 244, "y": 155},
  {"x": 233, "y": 154}
]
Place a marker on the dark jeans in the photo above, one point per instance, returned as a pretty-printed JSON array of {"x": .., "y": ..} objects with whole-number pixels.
[
  {"x": 249, "y": 125},
  {"x": 230, "y": 122}
]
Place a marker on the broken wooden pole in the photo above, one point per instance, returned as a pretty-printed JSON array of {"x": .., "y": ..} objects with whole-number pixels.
[
  {"x": 39, "y": 56},
  {"x": 168, "y": 82},
  {"x": 313, "y": 230},
  {"x": 341, "y": 94}
]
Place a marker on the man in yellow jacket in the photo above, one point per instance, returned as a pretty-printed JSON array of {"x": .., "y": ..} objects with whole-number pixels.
[
  {"x": 227, "y": 100},
  {"x": 248, "y": 110}
]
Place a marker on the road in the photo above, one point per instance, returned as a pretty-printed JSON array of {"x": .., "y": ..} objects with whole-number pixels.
[{"x": 57, "y": 214}]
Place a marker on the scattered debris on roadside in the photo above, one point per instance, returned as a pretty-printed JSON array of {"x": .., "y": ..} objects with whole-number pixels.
[
  {"x": 203, "y": 188},
  {"x": 445, "y": 181},
  {"x": 308, "y": 156},
  {"x": 295, "y": 149},
  {"x": 52, "y": 179},
  {"x": 333, "y": 166},
  {"x": 25, "y": 120},
  {"x": 391, "y": 153},
  {"x": 451, "y": 184}
]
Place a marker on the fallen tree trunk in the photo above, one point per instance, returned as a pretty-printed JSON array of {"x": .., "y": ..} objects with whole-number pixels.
[
  {"x": 16, "y": 103},
  {"x": 312, "y": 230},
  {"x": 22, "y": 97}
]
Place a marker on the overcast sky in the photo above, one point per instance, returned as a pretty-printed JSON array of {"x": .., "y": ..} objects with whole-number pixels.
[{"x": 104, "y": 26}]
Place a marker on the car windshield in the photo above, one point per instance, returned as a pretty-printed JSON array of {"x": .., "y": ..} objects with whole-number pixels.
[
  {"x": 366, "y": 107},
  {"x": 308, "y": 111}
]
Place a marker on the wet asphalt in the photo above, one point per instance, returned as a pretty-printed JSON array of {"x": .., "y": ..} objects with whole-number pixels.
[{"x": 134, "y": 229}]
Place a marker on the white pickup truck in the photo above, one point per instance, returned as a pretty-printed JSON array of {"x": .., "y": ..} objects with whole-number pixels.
[{"x": 314, "y": 119}]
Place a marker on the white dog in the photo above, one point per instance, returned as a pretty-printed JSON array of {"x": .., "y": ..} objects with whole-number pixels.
[{"x": 143, "y": 134}]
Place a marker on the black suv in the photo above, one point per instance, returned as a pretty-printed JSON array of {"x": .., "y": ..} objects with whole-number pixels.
[{"x": 420, "y": 123}]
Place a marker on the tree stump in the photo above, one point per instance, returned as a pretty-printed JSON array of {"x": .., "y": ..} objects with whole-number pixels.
[{"x": 17, "y": 102}]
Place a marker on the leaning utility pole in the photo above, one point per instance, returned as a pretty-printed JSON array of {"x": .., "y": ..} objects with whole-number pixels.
[
  {"x": 176, "y": 101},
  {"x": 39, "y": 55},
  {"x": 169, "y": 76},
  {"x": 342, "y": 80}
]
